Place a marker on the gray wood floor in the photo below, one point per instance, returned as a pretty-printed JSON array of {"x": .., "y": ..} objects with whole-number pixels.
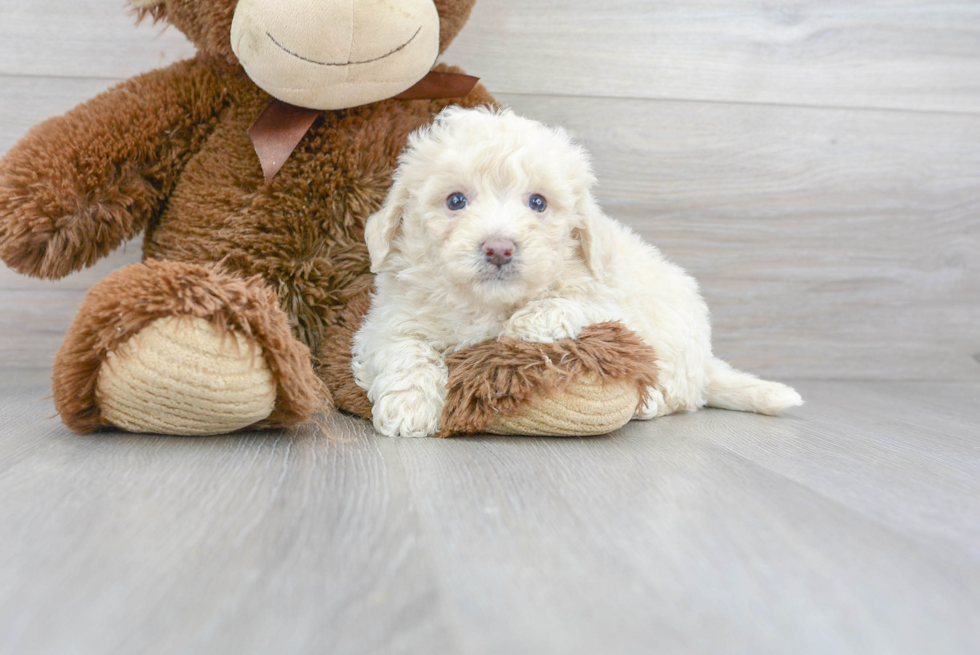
[{"x": 851, "y": 526}]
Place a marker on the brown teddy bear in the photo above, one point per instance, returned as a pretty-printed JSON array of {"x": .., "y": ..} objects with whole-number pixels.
[{"x": 251, "y": 169}]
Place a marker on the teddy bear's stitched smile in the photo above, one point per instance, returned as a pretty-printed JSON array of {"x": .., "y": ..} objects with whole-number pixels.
[{"x": 325, "y": 63}]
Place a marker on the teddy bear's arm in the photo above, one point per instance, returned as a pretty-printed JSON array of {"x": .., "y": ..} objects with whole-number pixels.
[{"x": 78, "y": 186}]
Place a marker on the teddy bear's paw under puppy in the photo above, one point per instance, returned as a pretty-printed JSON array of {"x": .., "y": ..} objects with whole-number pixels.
[
  {"x": 408, "y": 413},
  {"x": 184, "y": 376}
]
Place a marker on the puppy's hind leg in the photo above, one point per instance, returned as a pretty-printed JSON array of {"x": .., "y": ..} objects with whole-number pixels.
[
  {"x": 728, "y": 388},
  {"x": 656, "y": 405}
]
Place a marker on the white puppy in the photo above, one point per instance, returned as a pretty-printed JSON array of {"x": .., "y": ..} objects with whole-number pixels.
[{"x": 491, "y": 230}]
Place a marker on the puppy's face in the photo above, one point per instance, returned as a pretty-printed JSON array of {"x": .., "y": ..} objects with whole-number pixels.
[{"x": 491, "y": 201}]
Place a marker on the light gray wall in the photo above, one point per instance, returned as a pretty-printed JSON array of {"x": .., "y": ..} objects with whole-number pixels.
[{"x": 815, "y": 164}]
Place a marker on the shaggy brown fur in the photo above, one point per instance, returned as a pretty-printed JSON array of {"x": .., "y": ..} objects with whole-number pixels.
[
  {"x": 335, "y": 361},
  {"x": 134, "y": 296},
  {"x": 168, "y": 152},
  {"x": 77, "y": 187},
  {"x": 498, "y": 378}
]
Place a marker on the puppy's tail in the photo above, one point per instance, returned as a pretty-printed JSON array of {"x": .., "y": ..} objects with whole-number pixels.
[{"x": 729, "y": 388}]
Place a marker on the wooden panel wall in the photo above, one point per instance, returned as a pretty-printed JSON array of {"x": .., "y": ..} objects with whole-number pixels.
[{"x": 815, "y": 164}]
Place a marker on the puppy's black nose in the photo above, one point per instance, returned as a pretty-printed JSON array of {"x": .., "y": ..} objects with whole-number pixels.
[{"x": 499, "y": 251}]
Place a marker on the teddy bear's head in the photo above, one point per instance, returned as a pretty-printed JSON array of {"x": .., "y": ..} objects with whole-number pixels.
[{"x": 320, "y": 54}]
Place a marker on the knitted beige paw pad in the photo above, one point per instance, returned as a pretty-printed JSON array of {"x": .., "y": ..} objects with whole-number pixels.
[
  {"x": 586, "y": 407},
  {"x": 181, "y": 376}
]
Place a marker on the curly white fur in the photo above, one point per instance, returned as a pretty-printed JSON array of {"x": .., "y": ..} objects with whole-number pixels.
[{"x": 572, "y": 266}]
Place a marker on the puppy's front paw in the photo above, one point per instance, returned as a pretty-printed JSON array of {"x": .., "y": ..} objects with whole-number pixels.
[
  {"x": 409, "y": 413},
  {"x": 542, "y": 326}
]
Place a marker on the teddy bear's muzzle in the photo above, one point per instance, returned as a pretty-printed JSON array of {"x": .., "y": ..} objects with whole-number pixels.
[{"x": 330, "y": 54}]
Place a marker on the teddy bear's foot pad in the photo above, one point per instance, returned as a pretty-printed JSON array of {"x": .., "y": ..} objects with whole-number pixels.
[
  {"x": 183, "y": 376},
  {"x": 586, "y": 407}
]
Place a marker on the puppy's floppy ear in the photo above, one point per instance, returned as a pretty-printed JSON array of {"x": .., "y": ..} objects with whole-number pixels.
[
  {"x": 382, "y": 226},
  {"x": 588, "y": 233}
]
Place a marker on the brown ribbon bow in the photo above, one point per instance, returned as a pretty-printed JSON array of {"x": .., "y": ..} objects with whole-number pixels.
[{"x": 281, "y": 126}]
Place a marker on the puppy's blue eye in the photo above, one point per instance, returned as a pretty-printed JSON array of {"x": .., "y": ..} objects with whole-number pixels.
[
  {"x": 456, "y": 201},
  {"x": 537, "y": 203}
]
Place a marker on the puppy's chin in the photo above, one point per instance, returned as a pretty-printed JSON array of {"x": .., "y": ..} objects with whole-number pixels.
[
  {"x": 507, "y": 287},
  {"x": 495, "y": 288},
  {"x": 500, "y": 293}
]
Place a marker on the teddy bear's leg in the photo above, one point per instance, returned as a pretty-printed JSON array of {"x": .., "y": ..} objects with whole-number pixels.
[
  {"x": 174, "y": 348},
  {"x": 589, "y": 385}
]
